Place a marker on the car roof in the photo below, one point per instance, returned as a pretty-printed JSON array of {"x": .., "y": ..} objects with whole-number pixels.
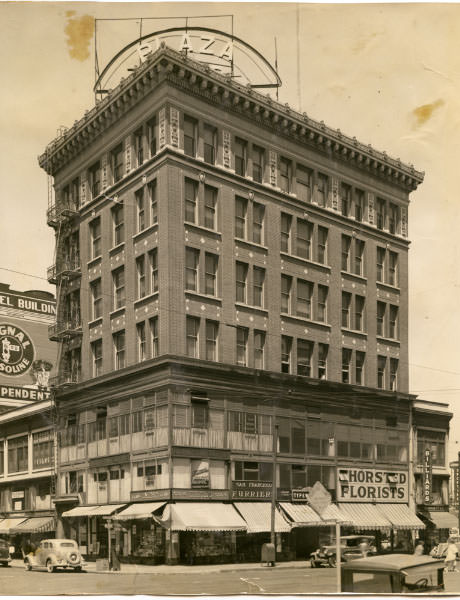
[
  {"x": 392, "y": 562},
  {"x": 356, "y": 537},
  {"x": 58, "y": 540}
]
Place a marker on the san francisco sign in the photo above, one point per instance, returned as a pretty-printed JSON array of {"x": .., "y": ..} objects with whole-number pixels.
[
  {"x": 16, "y": 350},
  {"x": 355, "y": 484}
]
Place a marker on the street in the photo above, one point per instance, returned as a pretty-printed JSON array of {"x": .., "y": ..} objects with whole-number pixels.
[{"x": 260, "y": 580}]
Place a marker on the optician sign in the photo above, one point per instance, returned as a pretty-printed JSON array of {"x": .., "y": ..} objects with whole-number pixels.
[
  {"x": 355, "y": 484},
  {"x": 427, "y": 476}
]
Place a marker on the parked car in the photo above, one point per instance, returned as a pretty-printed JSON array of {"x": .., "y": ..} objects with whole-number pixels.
[
  {"x": 53, "y": 554},
  {"x": 5, "y": 550},
  {"x": 351, "y": 548},
  {"x": 393, "y": 574}
]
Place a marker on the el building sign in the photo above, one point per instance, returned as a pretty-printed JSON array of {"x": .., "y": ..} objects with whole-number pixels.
[
  {"x": 427, "y": 476},
  {"x": 368, "y": 485}
]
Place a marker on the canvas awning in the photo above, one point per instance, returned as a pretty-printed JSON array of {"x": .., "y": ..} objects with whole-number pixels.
[
  {"x": 400, "y": 516},
  {"x": 332, "y": 514},
  {"x": 442, "y": 520},
  {"x": 364, "y": 516},
  {"x": 202, "y": 516},
  {"x": 139, "y": 510},
  {"x": 7, "y": 524},
  {"x": 302, "y": 515},
  {"x": 35, "y": 525},
  {"x": 258, "y": 517},
  {"x": 92, "y": 511}
]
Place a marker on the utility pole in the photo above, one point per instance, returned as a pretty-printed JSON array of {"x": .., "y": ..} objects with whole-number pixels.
[{"x": 273, "y": 506}]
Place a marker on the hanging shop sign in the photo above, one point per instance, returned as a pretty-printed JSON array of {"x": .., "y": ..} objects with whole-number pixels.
[
  {"x": 300, "y": 495},
  {"x": 27, "y": 304},
  {"x": 16, "y": 350},
  {"x": 251, "y": 490},
  {"x": 319, "y": 498},
  {"x": 200, "y": 474},
  {"x": 356, "y": 484},
  {"x": 457, "y": 483},
  {"x": 427, "y": 476}
]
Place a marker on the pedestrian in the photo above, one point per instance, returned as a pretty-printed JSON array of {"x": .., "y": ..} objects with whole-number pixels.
[
  {"x": 451, "y": 555},
  {"x": 419, "y": 548},
  {"x": 364, "y": 547}
]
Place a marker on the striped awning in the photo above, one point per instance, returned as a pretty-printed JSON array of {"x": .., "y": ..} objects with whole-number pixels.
[
  {"x": 258, "y": 517},
  {"x": 400, "y": 516},
  {"x": 92, "y": 511},
  {"x": 365, "y": 516},
  {"x": 7, "y": 524},
  {"x": 442, "y": 519},
  {"x": 139, "y": 510},
  {"x": 201, "y": 516},
  {"x": 333, "y": 514},
  {"x": 35, "y": 525},
  {"x": 302, "y": 515}
]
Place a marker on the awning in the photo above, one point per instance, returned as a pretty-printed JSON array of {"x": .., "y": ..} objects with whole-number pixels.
[
  {"x": 106, "y": 510},
  {"x": 258, "y": 517},
  {"x": 364, "y": 516},
  {"x": 332, "y": 514},
  {"x": 400, "y": 516},
  {"x": 92, "y": 511},
  {"x": 35, "y": 525},
  {"x": 7, "y": 524},
  {"x": 202, "y": 516},
  {"x": 302, "y": 515},
  {"x": 442, "y": 520},
  {"x": 140, "y": 510}
]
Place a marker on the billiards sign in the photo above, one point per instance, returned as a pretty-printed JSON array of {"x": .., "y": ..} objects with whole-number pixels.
[
  {"x": 427, "y": 475},
  {"x": 16, "y": 350}
]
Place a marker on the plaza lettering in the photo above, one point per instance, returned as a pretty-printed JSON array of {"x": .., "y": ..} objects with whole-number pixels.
[{"x": 204, "y": 44}]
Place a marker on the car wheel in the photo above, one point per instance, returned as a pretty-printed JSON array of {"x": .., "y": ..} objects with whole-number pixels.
[
  {"x": 332, "y": 561},
  {"x": 27, "y": 565},
  {"x": 313, "y": 563},
  {"x": 77, "y": 569},
  {"x": 50, "y": 567}
]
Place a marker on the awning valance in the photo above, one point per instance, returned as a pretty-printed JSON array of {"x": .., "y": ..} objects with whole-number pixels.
[
  {"x": 202, "y": 516},
  {"x": 302, "y": 515},
  {"x": 139, "y": 510},
  {"x": 400, "y": 516},
  {"x": 258, "y": 517},
  {"x": 92, "y": 511},
  {"x": 7, "y": 524},
  {"x": 442, "y": 520},
  {"x": 365, "y": 516},
  {"x": 35, "y": 525}
]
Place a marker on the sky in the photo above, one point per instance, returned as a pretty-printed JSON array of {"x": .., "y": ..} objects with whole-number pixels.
[{"x": 388, "y": 74}]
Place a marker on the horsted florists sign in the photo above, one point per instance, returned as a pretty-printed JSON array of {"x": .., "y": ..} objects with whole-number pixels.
[{"x": 356, "y": 484}]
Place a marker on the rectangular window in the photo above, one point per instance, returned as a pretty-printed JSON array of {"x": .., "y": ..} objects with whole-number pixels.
[
  {"x": 393, "y": 219},
  {"x": 381, "y": 213},
  {"x": 304, "y": 294},
  {"x": 258, "y": 215},
  {"x": 381, "y": 368},
  {"x": 151, "y": 137},
  {"x": 381, "y": 264},
  {"x": 152, "y": 195},
  {"x": 119, "y": 350},
  {"x": 140, "y": 209},
  {"x": 258, "y": 280},
  {"x": 116, "y": 161},
  {"x": 322, "y": 189},
  {"x": 346, "y": 305},
  {"x": 153, "y": 322},
  {"x": 322, "y": 245},
  {"x": 259, "y": 346},
  {"x": 359, "y": 257},
  {"x": 321, "y": 313},
  {"x": 212, "y": 330},
  {"x": 190, "y": 135},
  {"x": 96, "y": 238},
  {"x": 286, "y": 284},
  {"x": 392, "y": 268},
  {"x": 42, "y": 449},
  {"x": 304, "y": 237},
  {"x": 96, "y": 351},
  {"x": 141, "y": 342},
  {"x": 359, "y": 205},
  {"x": 241, "y": 279},
  {"x": 346, "y": 361},
  {"x": 286, "y": 348},
  {"x": 141, "y": 287},
  {"x": 211, "y": 262},
  {"x": 96, "y": 297},
  {"x": 381, "y": 309},
  {"x": 118, "y": 278},
  {"x": 153, "y": 258},
  {"x": 210, "y": 207},
  {"x": 200, "y": 414},
  {"x": 139, "y": 146},
  {"x": 303, "y": 183},
  {"x": 285, "y": 174},
  {"x": 323, "y": 350},
  {"x": 118, "y": 225},
  {"x": 304, "y": 354},
  {"x": 240, "y": 156},
  {"x": 359, "y": 367},
  {"x": 346, "y": 245},
  {"x": 18, "y": 454},
  {"x": 286, "y": 221},
  {"x": 346, "y": 199},
  {"x": 359, "y": 313},
  {"x": 241, "y": 206},
  {"x": 393, "y": 322},
  {"x": 192, "y": 260},
  {"x": 75, "y": 193},
  {"x": 394, "y": 363},
  {"x": 210, "y": 144},
  {"x": 192, "y": 332},
  {"x": 258, "y": 155},
  {"x": 191, "y": 192},
  {"x": 241, "y": 346},
  {"x": 94, "y": 179}
]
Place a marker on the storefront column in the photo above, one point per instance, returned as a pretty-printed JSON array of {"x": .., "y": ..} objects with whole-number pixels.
[
  {"x": 60, "y": 530},
  {"x": 172, "y": 547}
]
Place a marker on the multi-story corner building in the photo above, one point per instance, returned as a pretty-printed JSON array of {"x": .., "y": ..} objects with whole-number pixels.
[{"x": 224, "y": 265}]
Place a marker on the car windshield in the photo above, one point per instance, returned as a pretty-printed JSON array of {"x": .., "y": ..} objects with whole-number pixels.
[
  {"x": 374, "y": 583},
  {"x": 67, "y": 545}
]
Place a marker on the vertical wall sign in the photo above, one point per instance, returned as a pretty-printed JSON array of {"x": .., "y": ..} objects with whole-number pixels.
[
  {"x": 174, "y": 127},
  {"x": 227, "y": 146},
  {"x": 404, "y": 231},
  {"x": 427, "y": 475},
  {"x": 104, "y": 166},
  {"x": 335, "y": 193},
  {"x": 128, "y": 154},
  {"x": 273, "y": 160},
  {"x": 370, "y": 208},
  {"x": 162, "y": 128}
]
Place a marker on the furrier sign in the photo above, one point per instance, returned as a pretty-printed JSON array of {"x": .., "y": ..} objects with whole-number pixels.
[{"x": 371, "y": 485}]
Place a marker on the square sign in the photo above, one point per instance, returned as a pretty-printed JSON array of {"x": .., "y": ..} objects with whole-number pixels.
[{"x": 319, "y": 498}]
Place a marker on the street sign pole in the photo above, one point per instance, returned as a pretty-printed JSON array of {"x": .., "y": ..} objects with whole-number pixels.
[
  {"x": 457, "y": 489},
  {"x": 338, "y": 557}
]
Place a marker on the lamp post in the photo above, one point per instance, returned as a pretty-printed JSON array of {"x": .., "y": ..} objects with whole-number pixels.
[{"x": 273, "y": 506}]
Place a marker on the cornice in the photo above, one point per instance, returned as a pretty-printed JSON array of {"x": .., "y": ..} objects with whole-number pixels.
[{"x": 198, "y": 79}]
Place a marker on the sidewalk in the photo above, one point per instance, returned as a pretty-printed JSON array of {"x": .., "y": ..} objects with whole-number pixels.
[{"x": 172, "y": 569}]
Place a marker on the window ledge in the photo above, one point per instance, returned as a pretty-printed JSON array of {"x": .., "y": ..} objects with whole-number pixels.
[
  {"x": 95, "y": 322},
  {"x": 147, "y": 230},
  {"x": 360, "y": 278},
  {"x": 251, "y": 307},
  {"x": 117, "y": 312},
  {"x": 94, "y": 261},
  {"x": 202, "y": 228},
  {"x": 305, "y": 320},
  {"x": 116, "y": 249},
  {"x": 249, "y": 243},
  {"x": 386, "y": 340},
  {"x": 145, "y": 298},
  {"x": 354, "y": 331},
  {"x": 393, "y": 288},
  {"x": 203, "y": 296},
  {"x": 306, "y": 261}
]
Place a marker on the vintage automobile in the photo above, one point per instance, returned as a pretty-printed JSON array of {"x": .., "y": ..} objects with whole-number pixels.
[
  {"x": 5, "y": 550},
  {"x": 350, "y": 546},
  {"x": 53, "y": 554},
  {"x": 393, "y": 574}
]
